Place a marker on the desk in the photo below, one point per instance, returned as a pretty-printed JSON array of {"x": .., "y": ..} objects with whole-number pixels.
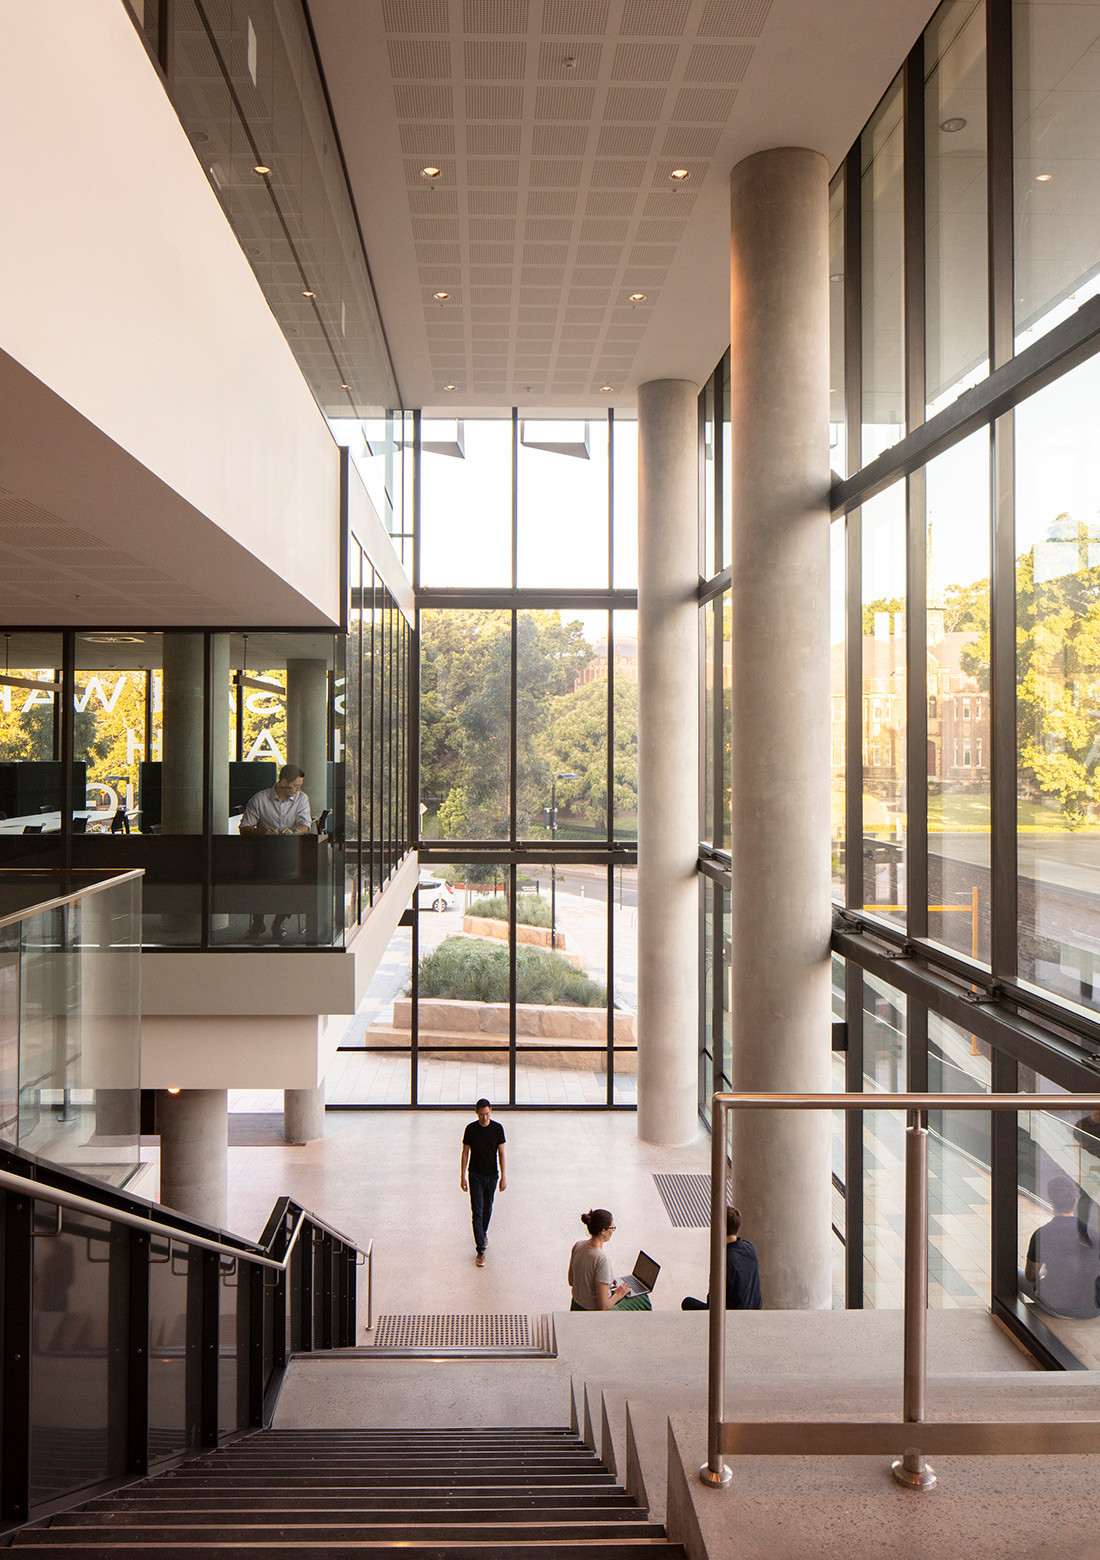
[{"x": 45, "y": 823}]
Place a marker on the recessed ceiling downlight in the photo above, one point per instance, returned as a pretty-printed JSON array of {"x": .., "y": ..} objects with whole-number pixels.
[{"x": 953, "y": 124}]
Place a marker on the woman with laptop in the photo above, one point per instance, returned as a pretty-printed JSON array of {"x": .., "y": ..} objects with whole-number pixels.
[{"x": 590, "y": 1276}]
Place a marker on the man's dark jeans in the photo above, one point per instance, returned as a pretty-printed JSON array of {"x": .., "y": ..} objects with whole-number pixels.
[{"x": 482, "y": 1191}]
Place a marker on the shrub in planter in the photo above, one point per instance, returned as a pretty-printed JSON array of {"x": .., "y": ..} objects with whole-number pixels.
[
  {"x": 472, "y": 969},
  {"x": 531, "y": 910}
]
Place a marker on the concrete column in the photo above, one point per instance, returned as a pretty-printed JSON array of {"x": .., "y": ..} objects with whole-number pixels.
[
  {"x": 181, "y": 756},
  {"x": 181, "y": 767},
  {"x": 194, "y": 1152},
  {"x": 668, "y": 761},
  {"x": 307, "y": 726},
  {"x": 780, "y": 921},
  {"x": 304, "y": 1114}
]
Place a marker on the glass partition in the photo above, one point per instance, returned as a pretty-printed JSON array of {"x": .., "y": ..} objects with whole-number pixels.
[
  {"x": 72, "y": 984},
  {"x": 277, "y": 872}
]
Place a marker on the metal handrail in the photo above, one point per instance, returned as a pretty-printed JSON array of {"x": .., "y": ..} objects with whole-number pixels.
[
  {"x": 41, "y": 1192},
  {"x": 859, "y": 1437}
]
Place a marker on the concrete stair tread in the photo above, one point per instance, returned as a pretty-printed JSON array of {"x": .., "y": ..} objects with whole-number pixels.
[
  {"x": 520, "y": 1511},
  {"x": 551, "y": 1549},
  {"x": 282, "y": 1531}
]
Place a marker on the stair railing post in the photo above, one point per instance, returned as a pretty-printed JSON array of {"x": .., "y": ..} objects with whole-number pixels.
[
  {"x": 714, "y": 1471},
  {"x": 912, "y": 1469}
]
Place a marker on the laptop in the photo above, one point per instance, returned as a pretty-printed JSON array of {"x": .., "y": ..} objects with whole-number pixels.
[{"x": 644, "y": 1276}]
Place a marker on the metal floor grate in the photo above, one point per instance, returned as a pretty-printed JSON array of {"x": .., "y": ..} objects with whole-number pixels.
[
  {"x": 686, "y": 1199},
  {"x": 470, "y": 1334}
]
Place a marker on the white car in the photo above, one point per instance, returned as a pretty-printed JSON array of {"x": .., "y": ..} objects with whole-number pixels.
[{"x": 434, "y": 894}]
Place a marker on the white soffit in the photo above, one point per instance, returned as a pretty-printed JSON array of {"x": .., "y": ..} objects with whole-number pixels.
[{"x": 555, "y": 125}]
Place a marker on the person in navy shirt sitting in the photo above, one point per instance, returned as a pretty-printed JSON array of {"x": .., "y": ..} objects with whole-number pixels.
[{"x": 742, "y": 1272}]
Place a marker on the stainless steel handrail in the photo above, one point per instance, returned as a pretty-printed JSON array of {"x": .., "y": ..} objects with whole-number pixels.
[
  {"x": 859, "y": 1437},
  {"x": 100, "y": 1210}
]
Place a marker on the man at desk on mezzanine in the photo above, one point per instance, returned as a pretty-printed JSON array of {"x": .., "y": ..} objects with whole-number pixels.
[{"x": 282, "y": 808}]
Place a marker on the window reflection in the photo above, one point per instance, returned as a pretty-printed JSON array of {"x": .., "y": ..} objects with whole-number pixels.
[
  {"x": 884, "y": 693},
  {"x": 959, "y": 734},
  {"x": 956, "y": 339},
  {"x": 1059, "y": 1225},
  {"x": 1058, "y": 685},
  {"x": 1055, "y": 176},
  {"x": 883, "y": 276}
]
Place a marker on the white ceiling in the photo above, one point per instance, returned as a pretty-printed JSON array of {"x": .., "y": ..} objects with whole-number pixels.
[{"x": 554, "y": 201}]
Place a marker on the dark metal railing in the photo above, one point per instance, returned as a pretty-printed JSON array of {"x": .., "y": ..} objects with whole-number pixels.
[
  {"x": 132, "y": 1336},
  {"x": 912, "y": 1436}
]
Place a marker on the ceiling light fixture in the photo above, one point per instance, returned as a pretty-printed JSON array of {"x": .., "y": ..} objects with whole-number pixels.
[
  {"x": 837, "y": 276},
  {"x": 261, "y": 168},
  {"x": 441, "y": 297},
  {"x": 449, "y": 387},
  {"x": 607, "y": 389},
  {"x": 430, "y": 172},
  {"x": 344, "y": 387},
  {"x": 307, "y": 294},
  {"x": 1043, "y": 178},
  {"x": 953, "y": 124},
  {"x": 637, "y": 297},
  {"x": 679, "y": 175}
]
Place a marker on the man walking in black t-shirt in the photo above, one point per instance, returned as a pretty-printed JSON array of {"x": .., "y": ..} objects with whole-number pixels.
[{"x": 482, "y": 1152}]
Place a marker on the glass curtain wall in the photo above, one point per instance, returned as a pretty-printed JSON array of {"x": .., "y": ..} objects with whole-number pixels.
[
  {"x": 527, "y": 764},
  {"x": 964, "y": 257}
]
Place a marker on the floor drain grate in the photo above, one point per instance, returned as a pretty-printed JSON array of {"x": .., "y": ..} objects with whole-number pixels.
[
  {"x": 469, "y": 1334},
  {"x": 686, "y": 1199}
]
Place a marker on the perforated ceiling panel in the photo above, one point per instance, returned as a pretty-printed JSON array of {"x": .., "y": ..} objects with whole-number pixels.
[{"x": 555, "y": 125}]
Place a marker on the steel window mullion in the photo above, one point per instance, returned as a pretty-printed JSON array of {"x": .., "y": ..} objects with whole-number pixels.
[
  {"x": 1002, "y": 808},
  {"x": 1063, "y": 348},
  {"x": 853, "y": 712},
  {"x": 916, "y": 684},
  {"x": 999, "y": 165},
  {"x": 853, "y": 1140}
]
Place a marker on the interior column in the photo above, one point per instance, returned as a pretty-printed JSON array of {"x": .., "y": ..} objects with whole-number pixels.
[
  {"x": 780, "y": 920},
  {"x": 307, "y": 726},
  {"x": 194, "y": 1152},
  {"x": 668, "y": 761}
]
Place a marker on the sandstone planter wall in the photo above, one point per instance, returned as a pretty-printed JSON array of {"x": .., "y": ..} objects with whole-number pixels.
[
  {"x": 538, "y": 936},
  {"x": 582, "y": 1026}
]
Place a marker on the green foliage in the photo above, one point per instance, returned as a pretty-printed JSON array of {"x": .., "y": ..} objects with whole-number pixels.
[
  {"x": 473, "y": 969},
  {"x": 531, "y": 909},
  {"x": 575, "y": 742},
  {"x": 465, "y": 686}
]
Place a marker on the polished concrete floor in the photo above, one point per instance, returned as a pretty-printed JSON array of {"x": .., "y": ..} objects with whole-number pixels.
[{"x": 392, "y": 1177}]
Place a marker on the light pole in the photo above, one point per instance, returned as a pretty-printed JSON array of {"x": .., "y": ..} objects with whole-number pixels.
[{"x": 553, "y": 864}]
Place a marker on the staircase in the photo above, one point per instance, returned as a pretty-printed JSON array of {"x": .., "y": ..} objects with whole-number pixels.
[{"x": 514, "y": 1494}]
